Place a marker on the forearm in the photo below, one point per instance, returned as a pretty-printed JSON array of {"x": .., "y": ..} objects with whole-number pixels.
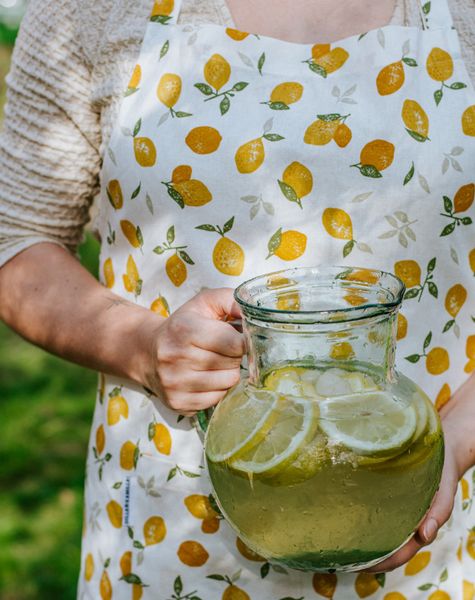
[{"x": 52, "y": 301}]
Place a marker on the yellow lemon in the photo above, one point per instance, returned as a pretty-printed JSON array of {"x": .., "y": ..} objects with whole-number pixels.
[
  {"x": 128, "y": 456},
  {"x": 320, "y": 132},
  {"x": 464, "y": 197},
  {"x": 200, "y": 506},
  {"x": 114, "y": 193},
  {"x": 471, "y": 544},
  {"x": 88, "y": 567},
  {"x": 465, "y": 489},
  {"x": 192, "y": 554},
  {"x": 333, "y": 60},
  {"x": 131, "y": 233},
  {"x": 390, "y": 79},
  {"x": 203, "y": 140},
  {"x": 470, "y": 366},
  {"x": 217, "y": 71},
  {"x": 468, "y": 121},
  {"x": 116, "y": 409},
  {"x": 131, "y": 278},
  {"x": 362, "y": 275},
  {"x": 470, "y": 347},
  {"x": 287, "y": 92},
  {"x": 325, "y": 584},
  {"x": 228, "y": 257},
  {"x": 378, "y": 153},
  {"x": 181, "y": 173},
  {"x": 154, "y": 530},
  {"x": 245, "y": 551},
  {"x": 299, "y": 178},
  {"x": 233, "y": 592},
  {"x": 455, "y": 299},
  {"x": 439, "y": 595},
  {"x": 417, "y": 563},
  {"x": 341, "y": 351},
  {"x": 439, "y": 65},
  {"x": 355, "y": 299},
  {"x": 468, "y": 590},
  {"x": 114, "y": 512},
  {"x": 160, "y": 306},
  {"x": 471, "y": 260},
  {"x": 342, "y": 135},
  {"x": 105, "y": 587},
  {"x": 459, "y": 552},
  {"x": 415, "y": 118},
  {"x": 176, "y": 270},
  {"x": 125, "y": 563},
  {"x": 288, "y": 301},
  {"x": 169, "y": 89},
  {"x": 210, "y": 525},
  {"x": 162, "y": 439},
  {"x": 338, "y": 223},
  {"x": 291, "y": 246},
  {"x": 394, "y": 596},
  {"x": 137, "y": 591},
  {"x": 193, "y": 192},
  {"x": 443, "y": 396},
  {"x": 250, "y": 156},
  {"x": 319, "y": 50},
  {"x": 236, "y": 35},
  {"x": 135, "y": 78},
  {"x": 162, "y": 7},
  {"x": 401, "y": 327},
  {"x": 145, "y": 151},
  {"x": 409, "y": 272},
  {"x": 437, "y": 361},
  {"x": 108, "y": 270},
  {"x": 100, "y": 439},
  {"x": 366, "y": 584}
]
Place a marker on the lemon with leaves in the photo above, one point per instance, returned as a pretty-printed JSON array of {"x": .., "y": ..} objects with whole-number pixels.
[
  {"x": 114, "y": 194},
  {"x": 117, "y": 407},
  {"x": 160, "y": 436},
  {"x": 326, "y": 60},
  {"x": 144, "y": 148},
  {"x": 176, "y": 264},
  {"x": 160, "y": 306},
  {"x": 134, "y": 81},
  {"x": 375, "y": 156},
  {"x": 326, "y": 128},
  {"x": 161, "y": 11},
  {"x": 169, "y": 89},
  {"x": 228, "y": 256},
  {"x": 284, "y": 94},
  {"x": 287, "y": 245},
  {"x": 129, "y": 455},
  {"x": 105, "y": 586},
  {"x": 186, "y": 191},
  {"x": 296, "y": 182},
  {"x": 132, "y": 233},
  {"x": 131, "y": 279},
  {"x": 391, "y": 77},
  {"x": 250, "y": 156},
  {"x": 416, "y": 120},
  {"x": 217, "y": 71}
]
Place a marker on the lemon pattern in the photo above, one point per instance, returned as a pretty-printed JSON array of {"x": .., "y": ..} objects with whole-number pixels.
[{"x": 358, "y": 152}]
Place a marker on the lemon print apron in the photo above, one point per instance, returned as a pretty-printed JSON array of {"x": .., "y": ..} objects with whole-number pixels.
[{"x": 237, "y": 154}]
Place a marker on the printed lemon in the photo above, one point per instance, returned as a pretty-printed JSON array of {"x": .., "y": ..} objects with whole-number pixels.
[
  {"x": 292, "y": 245},
  {"x": 363, "y": 275},
  {"x": 132, "y": 233},
  {"x": 250, "y": 156},
  {"x": 108, "y": 271},
  {"x": 105, "y": 587},
  {"x": 333, "y": 60},
  {"x": 443, "y": 396},
  {"x": 464, "y": 197},
  {"x": 468, "y": 121},
  {"x": 100, "y": 439},
  {"x": 415, "y": 118},
  {"x": 409, "y": 272},
  {"x": 116, "y": 408},
  {"x": 417, "y": 563},
  {"x": 181, "y": 173},
  {"x": 366, "y": 584},
  {"x": 233, "y": 592},
  {"x": 325, "y": 584},
  {"x": 145, "y": 151},
  {"x": 125, "y": 563},
  {"x": 114, "y": 512},
  {"x": 394, "y": 596},
  {"x": 236, "y": 35},
  {"x": 459, "y": 553},
  {"x": 162, "y": 439},
  {"x": 114, "y": 193},
  {"x": 137, "y": 591},
  {"x": 128, "y": 455},
  {"x": 439, "y": 595},
  {"x": 245, "y": 551},
  {"x": 468, "y": 590},
  {"x": 338, "y": 223},
  {"x": 470, "y": 546},
  {"x": 437, "y": 361},
  {"x": 321, "y": 132},
  {"x": 465, "y": 489},
  {"x": 470, "y": 347},
  {"x": 439, "y": 65},
  {"x": 341, "y": 351},
  {"x": 200, "y": 506},
  {"x": 210, "y": 525},
  {"x": 342, "y": 135},
  {"x": 203, "y": 140},
  {"x": 154, "y": 530},
  {"x": 193, "y": 192},
  {"x": 88, "y": 567},
  {"x": 287, "y": 92},
  {"x": 455, "y": 299},
  {"x": 176, "y": 270},
  {"x": 169, "y": 89},
  {"x": 160, "y": 306},
  {"x": 299, "y": 178},
  {"x": 228, "y": 257},
  {"x": 192, "y": 554},
  {"x": 319, "y": 50},
  {"x": 162, "y": 7},
  {"x": 401, "y": 327},
  {"x": 378, "y": 153},
  {"x": 217, "y": 71},
  {"x": 390, "y": 79},
  {"x": 132, "y": 282},
  {"x": 134, "y": 81}
]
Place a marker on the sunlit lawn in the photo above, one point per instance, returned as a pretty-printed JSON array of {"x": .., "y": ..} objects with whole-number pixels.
[{"x": 46, "y": 409}]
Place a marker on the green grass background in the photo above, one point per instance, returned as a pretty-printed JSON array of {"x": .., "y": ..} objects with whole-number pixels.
[{"x": 46, "y": 407}]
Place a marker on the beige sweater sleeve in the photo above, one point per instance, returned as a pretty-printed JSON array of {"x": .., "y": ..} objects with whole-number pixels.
[{"x": 49, "y": 147}]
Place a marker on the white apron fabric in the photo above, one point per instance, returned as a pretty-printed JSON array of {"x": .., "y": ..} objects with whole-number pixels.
[{"x": 149, "y": 531}]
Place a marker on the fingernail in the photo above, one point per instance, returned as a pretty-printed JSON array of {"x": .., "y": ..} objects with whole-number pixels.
[{"x": 430, "y": 530}]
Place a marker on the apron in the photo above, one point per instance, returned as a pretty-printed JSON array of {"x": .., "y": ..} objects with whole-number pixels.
[{"x": 234, "y": 155}]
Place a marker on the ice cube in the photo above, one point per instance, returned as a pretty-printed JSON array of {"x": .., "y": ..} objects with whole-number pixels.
[{"x": 333, "y": 382}]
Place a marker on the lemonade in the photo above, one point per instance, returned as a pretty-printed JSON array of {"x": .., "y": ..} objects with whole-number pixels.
[{"x": 325, "y": 468}]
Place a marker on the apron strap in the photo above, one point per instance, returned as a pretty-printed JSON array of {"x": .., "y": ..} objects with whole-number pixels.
[
  {"x": 435, "y": 14},
  {"x": 165, "y": 12}
]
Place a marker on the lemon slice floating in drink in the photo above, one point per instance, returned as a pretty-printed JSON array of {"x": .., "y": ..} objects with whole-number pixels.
[{"x": 370, "y": 423}]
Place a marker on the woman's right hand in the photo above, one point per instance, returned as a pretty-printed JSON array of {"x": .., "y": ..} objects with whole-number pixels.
[{"x": 196, "y": 353}]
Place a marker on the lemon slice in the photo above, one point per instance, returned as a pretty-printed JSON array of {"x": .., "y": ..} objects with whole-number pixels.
[
  {"x": 296, "y": 381},
  {"x": 240, "y": 421},
  {"x": 294, "y": 423},
  {"x": 370, "y": 423}
]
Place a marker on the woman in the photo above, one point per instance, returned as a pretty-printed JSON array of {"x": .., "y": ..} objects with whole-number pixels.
[{"x": 379, "y": 127}]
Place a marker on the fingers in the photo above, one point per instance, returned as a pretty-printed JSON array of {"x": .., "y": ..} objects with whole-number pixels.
[
  {"x": 189, "y": 403},
  {"x": 218, "y": 337},
  {"x": 401, "y": 557},
  {"x": 218, "y": 303}
]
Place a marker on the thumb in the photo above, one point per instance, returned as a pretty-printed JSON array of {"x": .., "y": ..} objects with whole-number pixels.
[{"x": 219, "y": 304}]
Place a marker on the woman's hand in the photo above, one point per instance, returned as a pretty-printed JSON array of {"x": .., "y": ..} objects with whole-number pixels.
[
  {"x": 458, "y": 419},
  {"x": 196, "y": 353}
]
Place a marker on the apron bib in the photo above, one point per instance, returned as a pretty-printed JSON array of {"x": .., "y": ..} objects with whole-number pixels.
[{"x": 235, "y": 155}]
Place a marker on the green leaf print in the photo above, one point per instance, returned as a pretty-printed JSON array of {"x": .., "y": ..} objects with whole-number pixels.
[
  {"x": 273, "y": 137},
  {"x": 260, "y": 62},
  {"x": 438, "y": 95},
  {"x": 178, "y": 585},
  {"x": 278, "y": 106},
  {"x": 228, "y": 225},
  {"x": 427, "y": 340},
  {"x": 330, "y": 117},
  {"x": 186, "y": 257},
  {"x": 380, "y": 578},
  {"x": 224, "y": 105},
  {"x": 410, "y": 62},
  {"x": 409, "y": 175},
  {"x": 348, "y": 247},
  {"x": 370, "y": 171},
  {"x": 161, "y": 19},
  {"x": 265, "y": 570},
  {"x": 204, "y": 89},
  {"x": 458, "y": 85},
  {"x": 289, "y": 192},
  {"x": 426, "y": 8},
  {"x": 274, "y": 242},
  {"x": 171, "y": 235},
  {"x": 175, "y": 196},
  {"x": 164, "y": 49},
  {"x": 317, "y": 69},
  {"x": 417, "y": 136},
  {"x": 239, "y": 86},
  {"x": 448, "y": 229},
  {"x": 137, "y": 127}
]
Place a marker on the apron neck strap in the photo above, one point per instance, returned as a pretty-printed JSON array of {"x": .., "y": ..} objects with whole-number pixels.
[
  {"x": 435, "y": 14},
  {"x": 165, "y": 12}
]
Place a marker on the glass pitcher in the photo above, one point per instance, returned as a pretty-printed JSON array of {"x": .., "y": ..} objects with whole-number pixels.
[{"x": 324, "y": 458}]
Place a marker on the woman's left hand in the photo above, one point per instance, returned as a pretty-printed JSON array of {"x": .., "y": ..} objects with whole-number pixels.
[{"x": 458, "y": 418}]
